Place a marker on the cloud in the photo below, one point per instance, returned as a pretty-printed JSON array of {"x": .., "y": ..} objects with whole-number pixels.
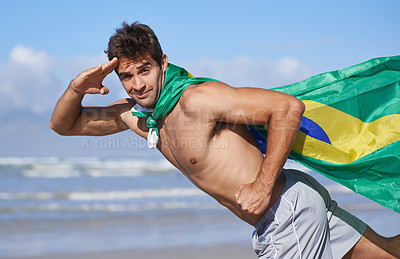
[
  {"x": 26, "y": 56},
  {"x": 246, "y": 71},
  {"x": 32, "y": 80},
  {"x": 25, "y": 80}
]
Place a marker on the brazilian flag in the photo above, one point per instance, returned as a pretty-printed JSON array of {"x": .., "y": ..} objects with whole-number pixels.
[{"x": 350, "y": 131}]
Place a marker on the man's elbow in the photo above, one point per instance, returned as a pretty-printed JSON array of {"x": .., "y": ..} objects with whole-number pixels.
[
  {"x": 59, "y": 130},
  {"x": 295, "y": 109},
  {"x": 298, "y": 106}
]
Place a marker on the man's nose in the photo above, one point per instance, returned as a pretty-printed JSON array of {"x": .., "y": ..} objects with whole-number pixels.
[{"x": 139, "y": 85}]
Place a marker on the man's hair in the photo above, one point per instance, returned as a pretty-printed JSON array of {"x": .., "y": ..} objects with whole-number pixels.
[{"x": 134, "y": 42}]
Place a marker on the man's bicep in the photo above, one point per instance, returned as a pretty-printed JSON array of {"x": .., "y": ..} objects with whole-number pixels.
[
  {"x": 240, "y": 105},
  {"x": 100, "y": 121},
  {"x": 246, "y": 105}
]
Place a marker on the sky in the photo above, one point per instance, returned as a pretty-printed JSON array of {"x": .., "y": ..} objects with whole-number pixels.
[{"x": 45, "y": 44}]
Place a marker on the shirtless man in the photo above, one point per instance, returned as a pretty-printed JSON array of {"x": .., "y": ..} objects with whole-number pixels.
[{"x": 238, "y": 176}]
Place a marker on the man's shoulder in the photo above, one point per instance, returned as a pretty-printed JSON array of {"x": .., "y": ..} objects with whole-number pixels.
[{"x": 200, "y": 95}]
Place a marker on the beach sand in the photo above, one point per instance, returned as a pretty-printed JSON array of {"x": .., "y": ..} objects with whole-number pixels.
[{"x": 231, "y": 251}]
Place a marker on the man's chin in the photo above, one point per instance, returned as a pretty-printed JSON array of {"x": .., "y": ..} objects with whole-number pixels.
[{"x": 145, "y": 103}]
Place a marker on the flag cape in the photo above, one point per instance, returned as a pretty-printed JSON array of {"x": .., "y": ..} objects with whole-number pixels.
[{"x": 350, "y": 130}]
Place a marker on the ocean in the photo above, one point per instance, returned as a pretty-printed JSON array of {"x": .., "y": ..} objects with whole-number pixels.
[{"x": 60, "y": 205}]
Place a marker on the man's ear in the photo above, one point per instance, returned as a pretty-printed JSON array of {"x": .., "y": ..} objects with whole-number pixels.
[{"x": 164, "y": 62}]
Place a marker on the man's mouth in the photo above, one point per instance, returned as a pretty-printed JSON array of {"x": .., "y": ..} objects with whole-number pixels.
[{"x": 142, "y": 95}]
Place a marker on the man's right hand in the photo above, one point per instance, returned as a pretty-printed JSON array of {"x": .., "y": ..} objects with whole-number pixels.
[{"x": 90, "y": 80}]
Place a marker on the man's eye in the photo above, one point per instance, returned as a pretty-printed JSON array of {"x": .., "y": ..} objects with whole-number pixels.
[
  {"x": 126, "y": 78},
  {"x": 146, "y": 70}
]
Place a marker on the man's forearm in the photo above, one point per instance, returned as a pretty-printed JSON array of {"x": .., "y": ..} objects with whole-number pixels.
[
  {"x": 282, "y": 133},
  {"x": 283, "y": 126},
  {"x": 66, "y": 112}
]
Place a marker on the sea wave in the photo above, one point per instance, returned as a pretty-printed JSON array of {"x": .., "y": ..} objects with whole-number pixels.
[
  {"x": 166, "y": 205},
  {"x": 56, "y": 207},
  {"x": 103, "y": 195},
  {"x": 122, "y": 195},
  {"x": 54, "y": 167}
]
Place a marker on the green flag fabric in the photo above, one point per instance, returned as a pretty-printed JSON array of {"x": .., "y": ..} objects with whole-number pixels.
[{"x": 350, "y": 131}]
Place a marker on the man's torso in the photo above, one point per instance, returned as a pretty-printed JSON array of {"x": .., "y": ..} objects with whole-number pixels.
[{"x": 217, "y": 157}]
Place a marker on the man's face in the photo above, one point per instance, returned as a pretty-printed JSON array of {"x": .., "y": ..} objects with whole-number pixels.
[{"x": 143, "y": 79}]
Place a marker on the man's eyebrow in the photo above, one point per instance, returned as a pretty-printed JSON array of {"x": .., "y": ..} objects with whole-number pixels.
[
  {"x": 141, "y": 66},
  {"x": 123, "y": 74},
  {"x": 145, "y": 64}
]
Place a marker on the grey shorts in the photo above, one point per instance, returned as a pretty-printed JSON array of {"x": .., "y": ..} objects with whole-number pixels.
[{"x": 305, "y": 223}]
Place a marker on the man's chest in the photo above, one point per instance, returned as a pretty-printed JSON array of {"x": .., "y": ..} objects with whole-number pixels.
[{"x": 185, "y": 141}]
